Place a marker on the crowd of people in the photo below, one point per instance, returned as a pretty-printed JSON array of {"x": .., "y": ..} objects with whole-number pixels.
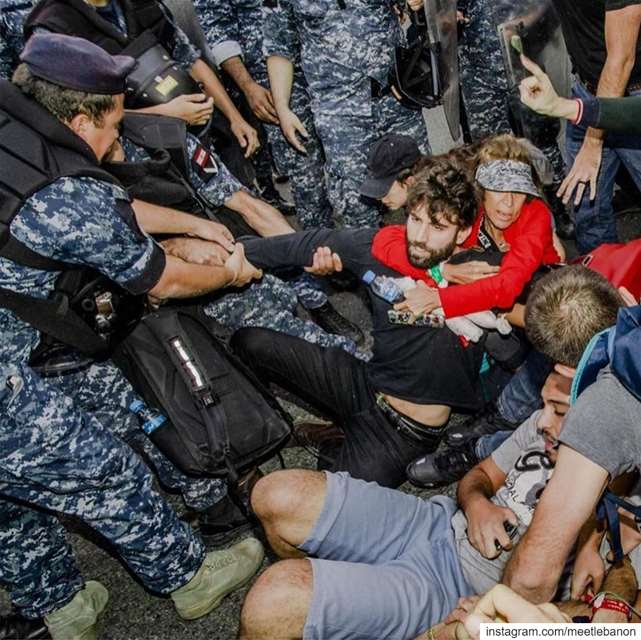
[{"x": 245, "y": 158}]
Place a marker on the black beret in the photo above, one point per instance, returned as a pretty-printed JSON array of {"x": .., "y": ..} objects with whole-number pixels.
[{"x": 76, "y": 63}]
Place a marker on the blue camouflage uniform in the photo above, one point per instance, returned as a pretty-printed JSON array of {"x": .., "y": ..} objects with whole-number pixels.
[
  {"x": 234, "y": 28},
  {"x": 65, "y": 460},
  {"x": 270, "y": 303},
  {"x": 346, "y": 54},
  {"x": 13, "y": 13},
  {"x": 63, "y": 441},
  {"x": 484, "y": 83}
]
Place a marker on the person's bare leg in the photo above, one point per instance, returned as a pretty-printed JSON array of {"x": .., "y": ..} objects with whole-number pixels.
[
  {"x": 288, "y": 504},
  {"x": 277, "y": 605}
]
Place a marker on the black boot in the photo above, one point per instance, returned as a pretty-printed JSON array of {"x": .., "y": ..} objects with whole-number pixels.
[
  {"x": 270, "y": 194},
  {"x": 15, "y": 626},
  {"x": 221, "y": 523},
  {"x": 329, "y": 319}
]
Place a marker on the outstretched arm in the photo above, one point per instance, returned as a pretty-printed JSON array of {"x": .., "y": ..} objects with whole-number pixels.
[{"x": 352, "y": 246}]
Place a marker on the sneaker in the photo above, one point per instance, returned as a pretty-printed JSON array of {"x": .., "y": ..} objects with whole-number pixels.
[
  {"x": 326, "y": 317},
  {"x": 15, "y": 626},
  {"x": 482, "y": 424},
  {"x": 78, "y": 619},
  {"x": 440, "y": 469},
  {"x": 220, "y": 573}
]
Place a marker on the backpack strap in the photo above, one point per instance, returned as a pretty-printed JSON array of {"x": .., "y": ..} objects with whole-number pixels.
[{"x": 608, "y": 510}]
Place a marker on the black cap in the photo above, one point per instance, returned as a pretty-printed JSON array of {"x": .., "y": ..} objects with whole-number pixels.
[
  {"x": 76, "y": 63},
  {"x": 387, "y": 158}
]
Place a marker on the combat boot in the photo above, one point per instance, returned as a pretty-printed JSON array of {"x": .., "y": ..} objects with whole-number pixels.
[
  {"x": 78, "y": 619},
  {"x": 220, "y": 573}
]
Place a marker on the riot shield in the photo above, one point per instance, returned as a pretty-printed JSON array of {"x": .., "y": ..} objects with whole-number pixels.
[
  {"x": 442, "y": 29},
  {"x": 536, "y": 24}
]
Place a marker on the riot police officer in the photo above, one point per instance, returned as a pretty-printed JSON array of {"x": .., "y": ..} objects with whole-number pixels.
[{"x": 63, "y": 439}]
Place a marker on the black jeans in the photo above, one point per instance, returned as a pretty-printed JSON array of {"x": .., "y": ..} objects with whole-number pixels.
[{"x": 337, "y": 386}]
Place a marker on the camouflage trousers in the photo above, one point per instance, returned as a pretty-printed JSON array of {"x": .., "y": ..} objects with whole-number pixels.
[
  {"x": 271, "y": 304},
  {"x": 347, "y": 140},
  {"x": 485, "y": 88},
  {"x": 103, "y": 391},
  {"x": 306, "y": 171},
  {"x": 56, "y": 458}
]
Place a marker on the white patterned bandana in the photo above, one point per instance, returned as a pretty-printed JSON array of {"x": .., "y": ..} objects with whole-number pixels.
[{"x": 507, "y": 175}]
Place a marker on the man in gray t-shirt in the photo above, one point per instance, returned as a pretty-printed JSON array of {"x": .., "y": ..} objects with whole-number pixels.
[
  {"x": 515, "y": 476},
  {"x": 601, "y": 440},
  {"x": 386, "y": 564}
]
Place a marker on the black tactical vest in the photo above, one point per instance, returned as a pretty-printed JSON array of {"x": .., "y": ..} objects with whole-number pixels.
[
  {"x": 35, "y": 151},
  {"x": 164, "y": 178}
]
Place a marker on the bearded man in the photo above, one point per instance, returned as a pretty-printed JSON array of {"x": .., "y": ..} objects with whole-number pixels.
[{"x": 396, "y": 406}]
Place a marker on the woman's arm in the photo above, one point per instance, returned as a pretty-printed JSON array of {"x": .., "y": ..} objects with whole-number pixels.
[{"x": 517, "y": 268}]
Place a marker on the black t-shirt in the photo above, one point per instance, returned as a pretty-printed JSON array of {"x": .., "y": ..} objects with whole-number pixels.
[
  {"x": 418, "y": 364},
  {"x": 583, "y": 23}
]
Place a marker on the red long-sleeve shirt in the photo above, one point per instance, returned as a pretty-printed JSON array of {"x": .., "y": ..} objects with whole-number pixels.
[{"x": 530, "y": 240}]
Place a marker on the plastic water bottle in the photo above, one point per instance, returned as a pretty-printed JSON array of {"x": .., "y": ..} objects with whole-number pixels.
[
  {"x": 384, "y": 287},
  {"x": 150, "y": 420}
]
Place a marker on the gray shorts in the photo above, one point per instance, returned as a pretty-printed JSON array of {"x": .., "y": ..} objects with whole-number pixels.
[{"x": 384, "y": 565}]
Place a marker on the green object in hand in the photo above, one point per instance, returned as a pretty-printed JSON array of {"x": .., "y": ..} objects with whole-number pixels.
[{"x": 517, "y": 44}]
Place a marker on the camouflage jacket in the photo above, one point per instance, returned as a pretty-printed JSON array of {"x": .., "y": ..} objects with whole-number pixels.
[
  {"x": 342, "y": 45},
  {"x": 13, "y": 13},
  {"x": 81, "y": 221}
]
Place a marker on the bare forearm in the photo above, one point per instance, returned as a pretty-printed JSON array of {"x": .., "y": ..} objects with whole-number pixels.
[
  {"x": 236, "y": 68},
  {"x": 474, "y": 487},
  {"x": 259, "y": 215},
  {"x": 281, "y": 77},
  {"x": 156, "y": 219},
  {"x": 214, "y": 88},
  {"x": 530, "y": 574},
  {"x": 621, "y": 34},
  {"x": 181, "y": 279}
]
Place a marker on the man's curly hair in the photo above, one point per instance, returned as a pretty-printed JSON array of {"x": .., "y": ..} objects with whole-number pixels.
[{"x": 443, "y": 188}]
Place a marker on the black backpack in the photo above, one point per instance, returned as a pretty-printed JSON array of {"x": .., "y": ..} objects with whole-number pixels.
[{"x": 220, "y": 419}]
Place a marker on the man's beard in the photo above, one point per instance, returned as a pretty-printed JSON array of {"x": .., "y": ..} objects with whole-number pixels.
[{"x": 432, "y": 257}]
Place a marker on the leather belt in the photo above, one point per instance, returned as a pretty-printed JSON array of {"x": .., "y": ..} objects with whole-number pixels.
[{"x": 410, "y": 429}]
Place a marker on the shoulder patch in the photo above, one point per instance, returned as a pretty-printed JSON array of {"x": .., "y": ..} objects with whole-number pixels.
[{"x": 203, "y": 162}]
